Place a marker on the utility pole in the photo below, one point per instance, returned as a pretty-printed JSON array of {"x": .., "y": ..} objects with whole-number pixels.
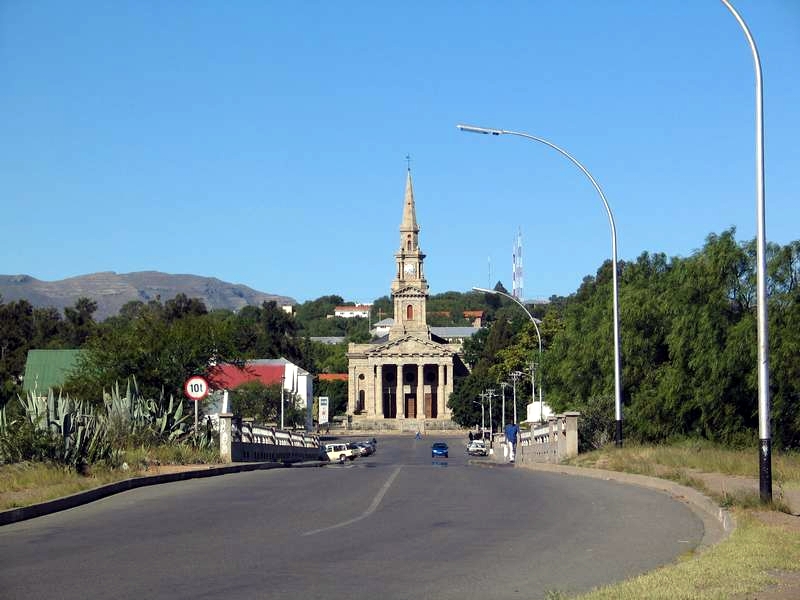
[
  {"x": 514, "y": 377},
  {"x": 503, "y": 386},
  {"x": 490, "y": 394},
  {"x": 282, "y": 378}
]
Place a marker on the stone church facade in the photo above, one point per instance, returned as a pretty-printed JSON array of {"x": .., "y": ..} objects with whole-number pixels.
[{"x": 403, "y": 380}]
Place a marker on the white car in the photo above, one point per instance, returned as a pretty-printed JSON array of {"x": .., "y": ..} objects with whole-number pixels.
[
  {"x": 477, "y": 448},
  {"x": 338, "y": 452}
]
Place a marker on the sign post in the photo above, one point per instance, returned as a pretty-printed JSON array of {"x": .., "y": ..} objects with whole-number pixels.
[
  {"x": 323, "y": 410},
  {"x": 196, "y": 388}
]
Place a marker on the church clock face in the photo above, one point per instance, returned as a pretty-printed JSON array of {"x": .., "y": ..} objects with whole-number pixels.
[{"x": 410, "y": 269}]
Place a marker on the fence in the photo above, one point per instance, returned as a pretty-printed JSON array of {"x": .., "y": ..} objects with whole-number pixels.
[
  {"x": 551, "y": 442},
  {"x": 241, "y": 440}
]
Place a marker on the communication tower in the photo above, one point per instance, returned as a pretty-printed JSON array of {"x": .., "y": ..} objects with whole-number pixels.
[{"x": 516, "y": 267}]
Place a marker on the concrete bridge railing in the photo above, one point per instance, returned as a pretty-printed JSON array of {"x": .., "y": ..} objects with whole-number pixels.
[
  {"x": 551, "y": 442},
  {"x": 245, "y": 441}
]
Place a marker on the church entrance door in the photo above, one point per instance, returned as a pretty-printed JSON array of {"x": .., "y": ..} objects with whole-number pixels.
[{"x": 411, "y": 406}]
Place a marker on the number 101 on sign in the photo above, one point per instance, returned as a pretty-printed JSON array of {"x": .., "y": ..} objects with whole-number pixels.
[{"x": 196, "y": 388}]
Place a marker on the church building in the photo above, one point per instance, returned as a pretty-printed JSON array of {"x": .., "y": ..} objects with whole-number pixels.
[{"x": 404, "y": 379}]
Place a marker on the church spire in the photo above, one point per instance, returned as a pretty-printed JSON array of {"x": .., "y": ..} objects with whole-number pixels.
[
  {"x": 409, "y": 224},
  {"x": 409, "y": 288}
]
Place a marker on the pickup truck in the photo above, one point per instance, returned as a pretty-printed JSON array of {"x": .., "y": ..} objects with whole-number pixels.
[{"x": 338, "y": 452}]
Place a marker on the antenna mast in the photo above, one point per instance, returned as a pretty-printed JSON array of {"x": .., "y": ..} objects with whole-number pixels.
[{"x": 516, "y": 267}]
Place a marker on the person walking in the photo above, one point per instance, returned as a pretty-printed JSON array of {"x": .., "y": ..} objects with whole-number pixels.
[{"x": 512, "y": 433}]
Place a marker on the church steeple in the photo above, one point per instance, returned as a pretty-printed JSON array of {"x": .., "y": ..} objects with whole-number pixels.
[
  {"x": 409, "y": 288},
  {"x": 409, "y": 230}
]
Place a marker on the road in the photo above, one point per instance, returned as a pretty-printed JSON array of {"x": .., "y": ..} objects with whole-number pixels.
[{"x": 393, "y": 525}]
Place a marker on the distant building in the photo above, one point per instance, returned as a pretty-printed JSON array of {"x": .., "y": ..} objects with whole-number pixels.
[
  {"x": 382, "y": 328},
  {"x": 475, "y": 315},
  {"x": 329, "y": 340},
  {"x": 296, "y": 381},
  {"x": 404, "y": 379},
  {"x": 48, "y": 369},
  {"x": 332, "y": 376},
  {"x": 350, "y": 312}
]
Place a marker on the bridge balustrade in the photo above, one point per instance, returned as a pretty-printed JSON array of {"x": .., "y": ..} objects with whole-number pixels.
[{"x": 242, "y": 440}]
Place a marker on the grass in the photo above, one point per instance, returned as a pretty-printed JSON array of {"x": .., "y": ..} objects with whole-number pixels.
[
  {"x": 23, "y": 484},
  {"x": 684, "y": 461},
  {"x": 754, "y": 557},
  {"x": 744, "y": 563}
]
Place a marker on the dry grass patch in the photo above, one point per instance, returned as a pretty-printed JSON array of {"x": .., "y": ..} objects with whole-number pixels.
[
  {"x": 24, "y": 484},
  {"x": 751, "y": 559}
]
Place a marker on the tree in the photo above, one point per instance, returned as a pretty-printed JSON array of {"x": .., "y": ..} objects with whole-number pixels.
[
  {"x": 158, "y": 352},
  {"x": 79, "y": 322},
  {"x": 257, "y": 401},
  {"x": 336, "y": 391}
]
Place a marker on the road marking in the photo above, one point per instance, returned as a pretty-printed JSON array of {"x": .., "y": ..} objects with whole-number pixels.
[{"x": 371, "y": 509}]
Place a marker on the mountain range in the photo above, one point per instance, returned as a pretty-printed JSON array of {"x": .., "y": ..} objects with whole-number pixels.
[{"x": 113, "y": 290}]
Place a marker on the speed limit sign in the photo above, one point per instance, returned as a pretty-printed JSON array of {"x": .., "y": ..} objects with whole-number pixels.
[{"x": 196, "y": 388}]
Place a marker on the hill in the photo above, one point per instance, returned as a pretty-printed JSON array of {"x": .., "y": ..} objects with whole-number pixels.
[{"x": 112, "y": 290}]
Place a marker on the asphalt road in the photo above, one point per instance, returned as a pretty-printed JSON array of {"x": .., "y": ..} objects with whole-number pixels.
[{"x": 393, "y": 525}]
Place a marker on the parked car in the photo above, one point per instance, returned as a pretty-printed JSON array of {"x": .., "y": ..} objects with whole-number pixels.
[
  {"x": 477, "y": 448},
  {"x": 339, "y": 452},
  {"x": 439, "y": 449},
  {"x": 365, "y": 448}
]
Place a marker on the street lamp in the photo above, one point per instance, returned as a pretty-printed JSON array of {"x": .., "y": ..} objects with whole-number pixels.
[
  {"x": 282, "y": 379},
  {"x": 764, "y": 432},
  {"x": 617, "y": 362},
  {"x": 490, "y": 394},
  {"x": 538, "y": 336},
  {"x": 514, "y": 376},
  {"x": 503, "y": 386}
]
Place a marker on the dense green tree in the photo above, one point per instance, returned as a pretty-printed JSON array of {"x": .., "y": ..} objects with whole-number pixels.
[
  {"x": 254, "y": 400},
  {"x": 484, "y": 350},
  {"x": 79, "y": 322},
  {"x": 336, "y": 391},
  {"x": 158, "y": 352}
]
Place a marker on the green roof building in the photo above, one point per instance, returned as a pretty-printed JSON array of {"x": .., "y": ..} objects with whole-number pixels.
[{"x": 45, "y": 369}]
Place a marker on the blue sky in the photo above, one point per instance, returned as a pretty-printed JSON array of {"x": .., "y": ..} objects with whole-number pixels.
[{"x": 264, "y": 143}]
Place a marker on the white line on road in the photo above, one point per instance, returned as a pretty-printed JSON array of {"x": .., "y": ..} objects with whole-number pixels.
[{"x": 372, "y": 507}]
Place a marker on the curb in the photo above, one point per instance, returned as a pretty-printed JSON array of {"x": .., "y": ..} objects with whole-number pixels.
[
  {"x": 718, "y": 522},
  {"x": 14, "y": 515}
]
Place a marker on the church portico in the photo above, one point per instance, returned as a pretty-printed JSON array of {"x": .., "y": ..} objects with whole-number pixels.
[{"x": 404, "y": 379}]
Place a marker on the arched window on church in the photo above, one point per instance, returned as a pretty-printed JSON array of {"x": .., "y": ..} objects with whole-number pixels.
[
  {"x": 409, "y": 313},
  {"x": 408, "y": 244},
  {"x": 361, "y": 403}
]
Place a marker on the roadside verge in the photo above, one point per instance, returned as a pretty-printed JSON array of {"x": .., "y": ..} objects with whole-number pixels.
[{"x": 14, "y": 515}]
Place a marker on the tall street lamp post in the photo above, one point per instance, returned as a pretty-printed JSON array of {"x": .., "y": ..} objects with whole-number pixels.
[
  {"x": 764, "y": 432},
  {"x": 514, "y": 376},
  {"x": 490, "y": 394},
  {"x": 503, "y": 386},
  {"x": 538, "y": 337},
  {"x": 282, "y": 403},
  {"x": 573, "y": 160}
]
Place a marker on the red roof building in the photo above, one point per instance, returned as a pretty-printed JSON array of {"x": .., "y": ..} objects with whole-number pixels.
[
  {"x": 332, "y": 376},
  {"x": 228, "y": 376}
]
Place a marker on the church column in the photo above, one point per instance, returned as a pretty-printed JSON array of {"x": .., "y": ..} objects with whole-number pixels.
[
  {"x": 441, "y": 398},
  {"x": 448, "y": 388},
  {"x": 420, "y": 391},
  {"x": 369, "y": 392},
  {"x": 351, "y": 391},
  {"x": 401, "y": 397},
  {"x": 379, "y": 392}
]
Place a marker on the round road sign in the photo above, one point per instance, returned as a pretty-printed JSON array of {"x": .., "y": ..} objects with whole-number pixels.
[{"x": 196, "y": 388}]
